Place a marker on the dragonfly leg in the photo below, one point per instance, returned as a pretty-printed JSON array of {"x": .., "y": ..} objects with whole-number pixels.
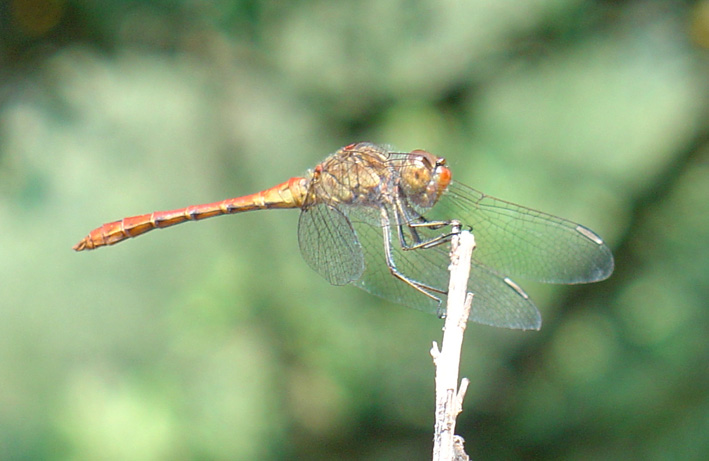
[
  {"x": 419, "y": 221},
  {"x": 431, "y": 242},
  {"x": 435, "y": 241},
  {"x": 418, "y": 286},
  {"x": 430, "y": 224}
]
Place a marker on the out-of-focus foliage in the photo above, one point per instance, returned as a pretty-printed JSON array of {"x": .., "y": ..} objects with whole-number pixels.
[{"x": 216, "y": 341}]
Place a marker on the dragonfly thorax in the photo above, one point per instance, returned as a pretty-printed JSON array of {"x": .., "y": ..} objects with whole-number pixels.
[{"x": 355, "y": 176}]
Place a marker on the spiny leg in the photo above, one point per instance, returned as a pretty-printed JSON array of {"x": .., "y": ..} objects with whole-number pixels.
[
  {"x": 418, "y": 242},
  {"x": 418, "y": 286}
]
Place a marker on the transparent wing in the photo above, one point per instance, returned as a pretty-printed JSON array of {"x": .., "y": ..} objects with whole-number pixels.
[
  {"x": 525, "y": 243},
  {"x": 329, "y": 244},
  {"x": 496, "y": 302}
]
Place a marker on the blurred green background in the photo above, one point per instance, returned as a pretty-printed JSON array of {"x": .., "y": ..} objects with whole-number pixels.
[{"x": 215, "y": 340}]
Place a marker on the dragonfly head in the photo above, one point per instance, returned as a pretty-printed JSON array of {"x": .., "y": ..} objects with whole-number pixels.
[{"x": 424, "y": 177}]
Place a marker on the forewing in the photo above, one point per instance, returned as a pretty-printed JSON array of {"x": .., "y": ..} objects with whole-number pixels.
[
  {"x": 329, "y": 244},
  {"x": 521, "y": 242},
  {"x": 495, "y": 303}
]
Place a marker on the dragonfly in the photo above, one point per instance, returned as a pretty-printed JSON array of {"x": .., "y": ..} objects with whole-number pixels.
[{"x": 382, "y": 221}]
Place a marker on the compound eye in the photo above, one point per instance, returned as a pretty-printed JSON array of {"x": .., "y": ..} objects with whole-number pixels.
[
  {"x": 427, "y": 159},
  {"x": 424, "y": 177},
  {"x": 417, "y": 171}
]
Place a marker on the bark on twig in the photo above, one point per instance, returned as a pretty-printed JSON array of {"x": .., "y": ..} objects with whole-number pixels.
[{"x": 449, "y": 397}]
